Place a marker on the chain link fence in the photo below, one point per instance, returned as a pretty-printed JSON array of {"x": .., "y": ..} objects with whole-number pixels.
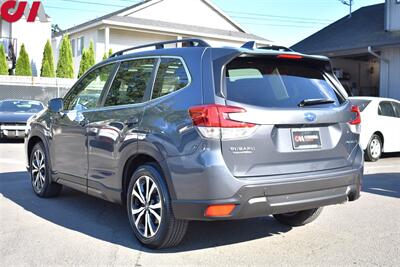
[{"x": 33, "y": 88}]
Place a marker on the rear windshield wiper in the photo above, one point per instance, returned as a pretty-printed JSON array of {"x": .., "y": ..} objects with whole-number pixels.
[{"x": 312, "y": 102}]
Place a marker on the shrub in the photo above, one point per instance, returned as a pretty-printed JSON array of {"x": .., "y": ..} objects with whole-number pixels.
[
  {"x": 23, "y": 67},
  {"x": 47, "y": 62},
  {"x": 84, "y": 65},
  {"x": 3, "y": 61},
  {"x": 65, "y": 67},
  {"x": 91, "y": 55}
]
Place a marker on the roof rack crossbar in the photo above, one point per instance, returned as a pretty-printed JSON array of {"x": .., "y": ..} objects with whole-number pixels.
[{"x": 192, "y": 42}]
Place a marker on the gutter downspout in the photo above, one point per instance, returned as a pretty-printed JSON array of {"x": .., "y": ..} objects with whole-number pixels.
[{"x": 382, "y": 59}]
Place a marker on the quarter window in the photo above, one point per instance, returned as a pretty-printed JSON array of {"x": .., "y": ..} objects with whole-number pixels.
[
  {"x": 86, "y": 93},
  {"x": 131, "y": 82},
  {"x": 396, "y": 108},
  {"x": 171, "y": 77},
  {"x": 386, "y": 109}
]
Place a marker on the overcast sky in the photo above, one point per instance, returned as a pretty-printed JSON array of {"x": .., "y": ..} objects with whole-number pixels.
[{"x": 285, "y": 22}]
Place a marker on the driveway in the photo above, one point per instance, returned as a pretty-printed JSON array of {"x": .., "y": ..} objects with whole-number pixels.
[{"x": 76, "y": 229}]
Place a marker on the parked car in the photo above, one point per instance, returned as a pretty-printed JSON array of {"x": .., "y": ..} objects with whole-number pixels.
[
  {"x": 380, "y": 130},
  {"x": 202, "y": 133},
  {"x": 14, "y": 115}
]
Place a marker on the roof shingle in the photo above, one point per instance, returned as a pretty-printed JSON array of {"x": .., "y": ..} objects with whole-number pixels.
[{"x": 365, "y": 28}]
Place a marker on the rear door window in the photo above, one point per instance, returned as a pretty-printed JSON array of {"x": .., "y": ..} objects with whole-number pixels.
[
  {"x": 171, "y": 77},
  {"x": 130, "y": 83},
  {"x": 386, "y": 109},
  {"x": 277, "y": 83}
]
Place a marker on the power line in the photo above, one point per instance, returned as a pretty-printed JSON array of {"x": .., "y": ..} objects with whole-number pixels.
[
  {"x": 276, "y": 16},
  {"x": 92, "y": 3},
  {"x": 281, "y": 20},
  {"x": 281, "y": 25},
  {"x": 72, "y": 9}
]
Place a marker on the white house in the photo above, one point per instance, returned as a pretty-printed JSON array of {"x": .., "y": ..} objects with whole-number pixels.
[
  {"x": 152, "y": 21},
  {"x": 33, "y": 34}
]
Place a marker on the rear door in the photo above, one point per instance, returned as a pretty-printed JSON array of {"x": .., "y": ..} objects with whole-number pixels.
[
  {"x": 301, "y": 119},
  {"x": 389, "y": 125},
  {"x": 114, "y": 128}
]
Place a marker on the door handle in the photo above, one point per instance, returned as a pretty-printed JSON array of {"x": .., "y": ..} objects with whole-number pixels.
[
  {"x": 132, "y": 121},
  {"x": 83, "y": 123}
]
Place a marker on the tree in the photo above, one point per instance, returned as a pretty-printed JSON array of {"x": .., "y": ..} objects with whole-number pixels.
[
  {"x": 65, "y": 67},
  {"x": 105, "y": 56},
  {"x": 3, "y": 61},
  {"x": 91, "y": 54},
  {"x": 84, "y": 65},
  {"x": 47, "y": 62},
  {"x": 23, "y": 67}
]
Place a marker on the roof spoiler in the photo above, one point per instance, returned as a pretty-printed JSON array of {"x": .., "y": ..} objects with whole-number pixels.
[{"x": 252, "y": 45}]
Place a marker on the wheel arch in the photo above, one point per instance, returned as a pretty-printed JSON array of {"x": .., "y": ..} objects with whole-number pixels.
[
  {"x": 33, "y": 140},
  {"x": 138, "y": 159}
]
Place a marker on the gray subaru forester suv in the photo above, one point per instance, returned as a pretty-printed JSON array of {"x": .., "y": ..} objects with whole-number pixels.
[{"x": 201, "y": 133}]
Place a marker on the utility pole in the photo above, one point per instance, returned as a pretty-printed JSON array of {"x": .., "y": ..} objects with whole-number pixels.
[{"x": 348, "y": 3}]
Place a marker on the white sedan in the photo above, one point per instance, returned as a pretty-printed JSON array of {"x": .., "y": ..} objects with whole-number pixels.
[{"x": 380, "y": 125}]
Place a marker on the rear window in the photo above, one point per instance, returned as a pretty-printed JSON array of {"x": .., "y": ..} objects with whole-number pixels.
[
  {"x": 362, "y": 104},
  {"x": 277, "y": 83}
]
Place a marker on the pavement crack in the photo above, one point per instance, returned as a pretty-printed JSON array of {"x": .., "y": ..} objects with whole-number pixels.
[{"x": 137, "y": 264}]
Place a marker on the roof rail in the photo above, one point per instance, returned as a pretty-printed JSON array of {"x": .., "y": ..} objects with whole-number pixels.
[
  {"x": 276, "y": 48},
  {"x": 191, "y": 42}
]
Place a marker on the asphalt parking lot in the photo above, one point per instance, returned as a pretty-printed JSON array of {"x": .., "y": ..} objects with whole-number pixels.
[{"x": 75, "y": 229}]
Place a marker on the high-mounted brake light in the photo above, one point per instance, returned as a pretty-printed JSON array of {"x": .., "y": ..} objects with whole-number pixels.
[
  {"x": 289, "y": 56},
  {"x": 213, "y": 122},
  {"x": 357, "y": 119}
]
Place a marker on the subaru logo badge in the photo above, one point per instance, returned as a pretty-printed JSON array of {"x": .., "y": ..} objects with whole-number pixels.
[{"x": 310, "y": 117}]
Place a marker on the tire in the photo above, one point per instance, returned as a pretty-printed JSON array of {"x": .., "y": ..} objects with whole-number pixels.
[
  {"x": 163, "y": 229},
  {"x": 298, "y": 218},
  {"x": 40, "y": 171},
  {"x": 374, "y": 148}
]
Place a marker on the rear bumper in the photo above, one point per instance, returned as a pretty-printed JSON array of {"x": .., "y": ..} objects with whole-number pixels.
[{"x": 255, "y": 200}]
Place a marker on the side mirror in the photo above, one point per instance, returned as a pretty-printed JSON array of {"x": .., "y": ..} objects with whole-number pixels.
[{"x": 56, "y": 105}]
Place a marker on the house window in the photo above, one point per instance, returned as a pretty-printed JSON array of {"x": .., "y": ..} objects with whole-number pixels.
[
  {"x": 80, "y": 45},
  {"x": 73, "y": 46}
]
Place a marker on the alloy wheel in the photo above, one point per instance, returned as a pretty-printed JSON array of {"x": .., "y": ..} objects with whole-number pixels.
[
  {"x": 146, "y": 206},
  {"x": 375, "y": 148},
  {"x": 38, "y": 170}
]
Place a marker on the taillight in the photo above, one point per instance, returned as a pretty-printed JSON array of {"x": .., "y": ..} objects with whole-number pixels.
[
  {"x": 357, "y": 119},
  {"x": 213, "y": 122},
  {"x": 289, "y": 56}
]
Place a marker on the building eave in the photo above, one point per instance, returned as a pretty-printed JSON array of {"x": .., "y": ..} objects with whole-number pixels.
[{"x": 172, "y": 31}]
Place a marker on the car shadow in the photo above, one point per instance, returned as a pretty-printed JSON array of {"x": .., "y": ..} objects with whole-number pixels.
[
  {"x": 385, "y": 184},
  {"x": 107, "y": 221},
  {"x": 11, "y": 141},
  {"x": 391, "y": 155}
]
